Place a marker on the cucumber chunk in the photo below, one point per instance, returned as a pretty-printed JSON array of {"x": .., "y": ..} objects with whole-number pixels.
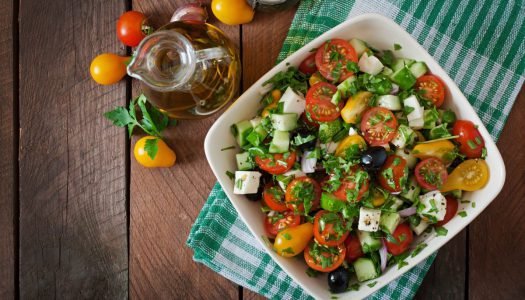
[
  {"x": 257, "y": 136},
  {"x": 418, "y": 69},
  {"x": 331, "y": 203},
  {"x": 365, "y": 269},
  {"x": 368, "y": 242},
  {"x": 244, "y": 162},
  {"x": 390, "y": 102},
  {"x": 404, "y": 78},
  {"x": 389, "y": 221},
  {"x": 359, "y": 46},
  {"x": 280, "y": 142},
  {"x": 241, "y": 130},
  {"x": 400, "y": 63},
  {"x": 284, "y": 122},
  {"x": 412, "y": 191}
]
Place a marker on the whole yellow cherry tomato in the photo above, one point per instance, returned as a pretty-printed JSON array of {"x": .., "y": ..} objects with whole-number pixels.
[
  {"x": 355, "y": 106},
  {"x": 470, "y": 175},
  {"x": 232, "y": 12},
  {"x": 292, "y": 241},
  {"x": 348, "y": 142},
  {"x": 165, "y": 157},
  {"x": 438, "y": 149},
  {"x": 108, "y": 68}
]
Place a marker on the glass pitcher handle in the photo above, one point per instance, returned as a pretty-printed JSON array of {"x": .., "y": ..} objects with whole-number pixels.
[{"x": 210, "y": 54}]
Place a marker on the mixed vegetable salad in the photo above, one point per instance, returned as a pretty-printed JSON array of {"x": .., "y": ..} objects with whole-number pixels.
[{"x": 351, "y": 156}]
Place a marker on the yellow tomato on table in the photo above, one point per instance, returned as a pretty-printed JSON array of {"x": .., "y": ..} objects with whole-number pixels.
[
  {"x": 108, "y": 68},
  {"x": 164, "y": 156},
  {"x": 232, "y": 12}
]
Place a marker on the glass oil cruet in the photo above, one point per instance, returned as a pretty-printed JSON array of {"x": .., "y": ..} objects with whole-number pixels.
[{"x": 188, "y": 68}]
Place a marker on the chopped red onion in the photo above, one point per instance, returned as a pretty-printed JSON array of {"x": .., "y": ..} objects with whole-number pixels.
[
  {"x": 395, "y": 89},
  {"x": 190, "y": 12},
  {"x": 407, "y": 212},
  {"x": 383, "y": 255},
  {"x": 308, "y": 164}
]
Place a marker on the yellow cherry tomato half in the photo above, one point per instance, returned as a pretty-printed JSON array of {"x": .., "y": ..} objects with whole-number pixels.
[
  {"x": 108, "y": 68},
  {"x": 292, "y": 241},
  {"x": 232, "y": 12},
  {"x": 316, "y": 78},
  {"x": 470, "y": 175},
  {"x": 355, "y": 106},
  {"x": 378, "y": 198},
  {"x": 438, "y": 149},
  {"x": 348, "y": 142},
  {"x": 165, "y": 157}
]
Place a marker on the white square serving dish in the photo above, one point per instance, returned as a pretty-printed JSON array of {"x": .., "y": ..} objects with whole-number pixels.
[{"x": 381, "y": 33}]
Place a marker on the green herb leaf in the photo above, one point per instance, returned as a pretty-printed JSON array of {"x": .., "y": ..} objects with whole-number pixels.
[
  {"x": 418, "y": 249},
  {"x": 230, "y": 175},
  {"x": 151, "y": 147},
  {"x": 311, "y": 272},
  {"x": 119, "y": 116},
  {"x": 397, "y": 47},
  {"x": 372, "y": 284},
  {"x": 463, "y": 214},
  {"x": 441, "y": 231},
  {"x": 287, "y": 236}
]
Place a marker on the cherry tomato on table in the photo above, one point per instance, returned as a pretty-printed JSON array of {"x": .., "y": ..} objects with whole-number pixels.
[
  {"x": 273, "y": 197},
  {"x": 393, "y": 174},
  {"x": 332, "y": 57},
  {"x": 379, "y": 126},
  {"x": 432, "y": 88},
  {"x": 431, "y": 173},
  {"x": 165, "y": 157},
  {"x": 232, "y": 12},
  {"x": 452, "y": 209},
  {"x": 353, "y": 248},
  {"x": 470, "y": 140},
  {"x": 403, "y": 235},
  {"x": 324, "y": 258},
  {"x": 319, "y": 102},
  {"x": 270, "y": 164},
  {"x": 131, "y": 27},
  {"x": 301, "y": 192},
  {"x": 329, "y": 228},
  {"x": 108, "y": 68},
  {"x": 278, "y": 222},
  {"x": 308, "y": 66},
  {"x": 349, "y": 183}
]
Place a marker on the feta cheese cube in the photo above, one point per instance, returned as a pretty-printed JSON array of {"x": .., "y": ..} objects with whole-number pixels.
[
  {"x": 432, "y": 207},
  {"x": 246, "y": 182},
  {"x": 292, "y": 102},
  {"x": 369, "y": 219},
  {"x": 417, "y": 112},
  {"x": 420, "y": 227}
]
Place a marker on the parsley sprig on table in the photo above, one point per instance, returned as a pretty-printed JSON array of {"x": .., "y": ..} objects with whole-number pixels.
[{"x": 152, "y": 121}]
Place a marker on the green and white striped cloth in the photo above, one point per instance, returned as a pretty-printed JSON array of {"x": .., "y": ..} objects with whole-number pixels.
[{"x": 481, "y": 46}]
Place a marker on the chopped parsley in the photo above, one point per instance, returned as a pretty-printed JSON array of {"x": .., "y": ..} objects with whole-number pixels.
[
  {"x": 397, "y": 47},
  {"x": 418, "y": 249},
  {"x": 441, "y": 231},
  {"x": 372, "y": 284},
  {"x": 287, "y": 236},
  {"x": 463, "y": 214},
  {"x": 230, "y": 175},
  {"x": 471, "y": 144},
  {"x": 311, "y": 272},
  {"x": 288, "y": 250}
]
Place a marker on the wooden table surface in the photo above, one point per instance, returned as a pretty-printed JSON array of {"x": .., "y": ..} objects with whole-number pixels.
[{"x": 79, "y": 218}]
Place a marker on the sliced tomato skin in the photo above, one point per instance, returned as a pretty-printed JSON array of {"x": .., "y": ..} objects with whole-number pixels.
[
  {"x": 308, "y": 65},
  {"x": 271, "y": 166},
  {"x": 270, "y": 199},
  {"x": 376, "y": 129},
  {"x": 433, "y": 87},
  {"x": 470, "y": 140},
  {"x": 353, "y": 248},
  {"x": 399, "y": 171},
  {"x": 291, "y": 200},
  {"x": 322, "y": 237},
  {"x": 430, "y": 165},
  {"x": 311, "y": 262},
  {"x": 289, "y": 220},
  {"x": 348, "y": 184},
  {"x": 402, "y": 243},
  {"x": 452, "y": 209},
  {"x": 319, "y": 102},
  {"x": 325, "y": 63}
]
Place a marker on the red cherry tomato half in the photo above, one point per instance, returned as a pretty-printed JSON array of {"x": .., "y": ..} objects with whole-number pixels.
[
  {"x": 470, "y": 140},
  {"x": 432, "y": 89},
  {"x": 329, "y": 228},
  {"x": 393, "y": 174},
  {"x": 431, "y": 173},
  {"x": 279, "y": 222},
  {"x": 319, "y": 102},
  {"x": 270, "y": 164},
  {"x": 452, "y": 209},
  {"x": 332, "y": 58},
  {"x": 301, "y": 191},
  {"x": 353, "y": 248},
  {"x": 335, "y": 255},
  {"x": 403, "y": 235},
  {"x": 130, "y": 28},
  {"x": 349, "y": 182},
  {"x": 273, "y": 197},
  {"x": 308, "y": 66},
  {"x": 379, "y": 126}
]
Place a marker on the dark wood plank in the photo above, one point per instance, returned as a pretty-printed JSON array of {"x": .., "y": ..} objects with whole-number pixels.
[
  {"x": 166, "y": 202},
  {"x": 496, "y": 237},
  {"x": 8, "y": 138},
  {"x": 267, "y": 31},
  {"x": 73, "y": 233}
]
